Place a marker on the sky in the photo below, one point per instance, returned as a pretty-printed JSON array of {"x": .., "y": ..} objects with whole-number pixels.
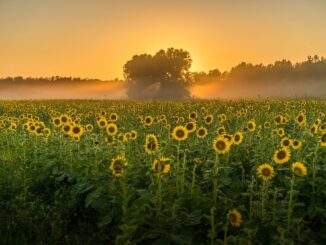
[{"x": 95, "y": 38}]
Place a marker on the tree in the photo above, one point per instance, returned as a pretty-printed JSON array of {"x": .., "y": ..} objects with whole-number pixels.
[{"x": 165, "y": 75}]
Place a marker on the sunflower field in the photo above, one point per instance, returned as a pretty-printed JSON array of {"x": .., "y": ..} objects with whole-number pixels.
[{"x": 163, "y": 172}]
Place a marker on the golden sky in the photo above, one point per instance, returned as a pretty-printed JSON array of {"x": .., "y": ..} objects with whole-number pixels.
[{"x": 94, "y": 38}]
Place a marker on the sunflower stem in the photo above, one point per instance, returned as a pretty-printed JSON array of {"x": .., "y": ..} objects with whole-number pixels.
[
  {"x": 251, "y": 196},
  {"x": 193, "y": 181},
  {"x": 263, "y": 197},
  {"x": 124, "y": 195},
  {"x": 314, "y": 169},
  {"x": 159, "y": 193},
  {"x": 183, "y": 172},
  {"x": 226, "y": 229},
  {"x": 178, "y": 163},
  {"x": 212, "y": 232},
  {"x": 215, "y": 174},
  {"x": 291, "y": 204}
]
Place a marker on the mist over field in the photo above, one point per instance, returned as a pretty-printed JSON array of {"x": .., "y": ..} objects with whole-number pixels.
[{"x": 156, "y": 77}]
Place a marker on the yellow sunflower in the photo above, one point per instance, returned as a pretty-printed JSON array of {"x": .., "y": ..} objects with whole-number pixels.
[
  {"x": 299, "y": 169},
  {"x": 237, "y": 138},
  {"x": 161, "y": 166},
  {"x": 221, "y": 145},
  {"x": 265, "y": 171},
  {"x": 151, "y": 144},
  {"x": 296, "y": 144},
  {"x": 180, "y": 133},
  {"x": 251, "y": 126},
  {"x": 111, "y": 129},
  {"x": 191, "y": 126},
  {"x": 118, "y": 166},
  {"x": 286, "y": 142},
  {"x": 209, "y": 119},
  {"x": 201, "y": 132},
  {"x": 234, "y": 218},
  {"x": 282, "y": 155}
]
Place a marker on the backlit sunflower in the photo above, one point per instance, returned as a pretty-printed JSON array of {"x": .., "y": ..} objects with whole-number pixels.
[
  {"x": 251, "y": 126},
  {"x": 296, "y": 144},
  {"x": 265, "y": 171},
  {"x": 113, "y": 117},
  {"x": 111, "y": 129},
  {"x": 280, "y": 132},
  {"x": 221, "y": 145},
  {"x": 180, "y": 133},
  {"x": 220, "y": 130},
  {"x": 201, "y": 132},
  {"x": 282, "y": 155},
  {"x": 76, "y": 131},
  {"x": 285, "y": 142},
  {"x": 234, "y": 218},
  {"x": 148, "y": 120},
  {"x": 118, "y": 166},
  {"x": 133, "y": 134},
  {"x": 299, "y": 169},
  {"x": 209, "y": 119},
  {"x": 237, "y": 138},
  {"x": 161, "y": 166},
  {"x": 151, "y": 144},
  {"x": 102, "y": 122},
  {"x": 191, "y": 126}
]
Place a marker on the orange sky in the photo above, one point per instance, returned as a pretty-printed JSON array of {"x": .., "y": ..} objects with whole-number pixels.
[{"x": 95, "y": 38}]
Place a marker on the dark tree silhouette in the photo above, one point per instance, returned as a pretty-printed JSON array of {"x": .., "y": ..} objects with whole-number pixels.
[{"x": 162, "y": 76}]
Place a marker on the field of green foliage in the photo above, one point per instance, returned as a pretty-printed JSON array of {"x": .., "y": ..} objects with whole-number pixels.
[{"x": 137, "y": 172}]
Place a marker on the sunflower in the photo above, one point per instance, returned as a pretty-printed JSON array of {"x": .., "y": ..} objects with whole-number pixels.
[
  {"x": 221, "y": 145},
  {"x": 180, "y": 133},
  {"x": 118, "y": 166},
  {"x": 251, "y": 125},
  {"x": 265, "y": 171},
  {"x": 111, "y": 129},
  {"x": 102, "y": 122},
  {"x": 296, "y": 144},
  {"x": 301, "y": 119},
  {"x": 323, "y": 139},
  {"x": 202, "y": 132},
  {"x": 192, "y": 115},
  {"x": 64, "y": 118},
  {"x": 209, "y": 119},
  {"x": 56, "y": 122},
  {"x": 237, "y": 138},
  {"x": 234, "y": 218},
  {"x": 151, "y": 144},
  {"x": 278, "y": 119},
  {"x": 161, "y": 166},
  {"x": 109, "y": 139},
  {"x": 280, "y": 132},
  {"x": 76, "y": 131},
  {"x": 191, "y": 126},
  {"x": 267, "y": 124},
  {"x": 133, "y": 134},
  {"x": 282, "y": 155},
  {"x": 313, "y": 129},
  {"x": 220, "y": 130},
  {"x": 285, "y": 142},
  {"x": 299, "y": 169},
  {"x": 148, "y": 120},
  {"x": 113, "y": 117},
  {"x": 89, "y": 127}
]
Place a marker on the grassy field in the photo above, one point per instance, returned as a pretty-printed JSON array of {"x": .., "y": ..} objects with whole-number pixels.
[{"x": 195, "y": 172}]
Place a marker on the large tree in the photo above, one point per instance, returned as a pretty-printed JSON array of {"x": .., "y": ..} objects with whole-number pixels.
[{"x": 165, "y": 75}]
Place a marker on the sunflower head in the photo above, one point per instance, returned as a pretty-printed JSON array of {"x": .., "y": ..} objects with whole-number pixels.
[
  {"x": 111, "y": 129},
  {"x": 323, "y": 140},
  {"x": 161, "y": 166},
  {"x": 180, "y": 133},
  {"x": 251, "y": 126},
  {"x": 202, "y": 132},
  {"x": 265, "y": 171},
  {"x": 299, "y": 169},
  {"x": 221, "y": 145},
  {"x": 234, "y": 218},
  {"x": 118, "y": 166},
  {"x": 282, "y": 155},
  {"x": 237, "y": 138}
]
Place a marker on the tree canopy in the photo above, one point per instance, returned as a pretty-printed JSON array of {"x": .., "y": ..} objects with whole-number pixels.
[{"x": 164, "y": 75}]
